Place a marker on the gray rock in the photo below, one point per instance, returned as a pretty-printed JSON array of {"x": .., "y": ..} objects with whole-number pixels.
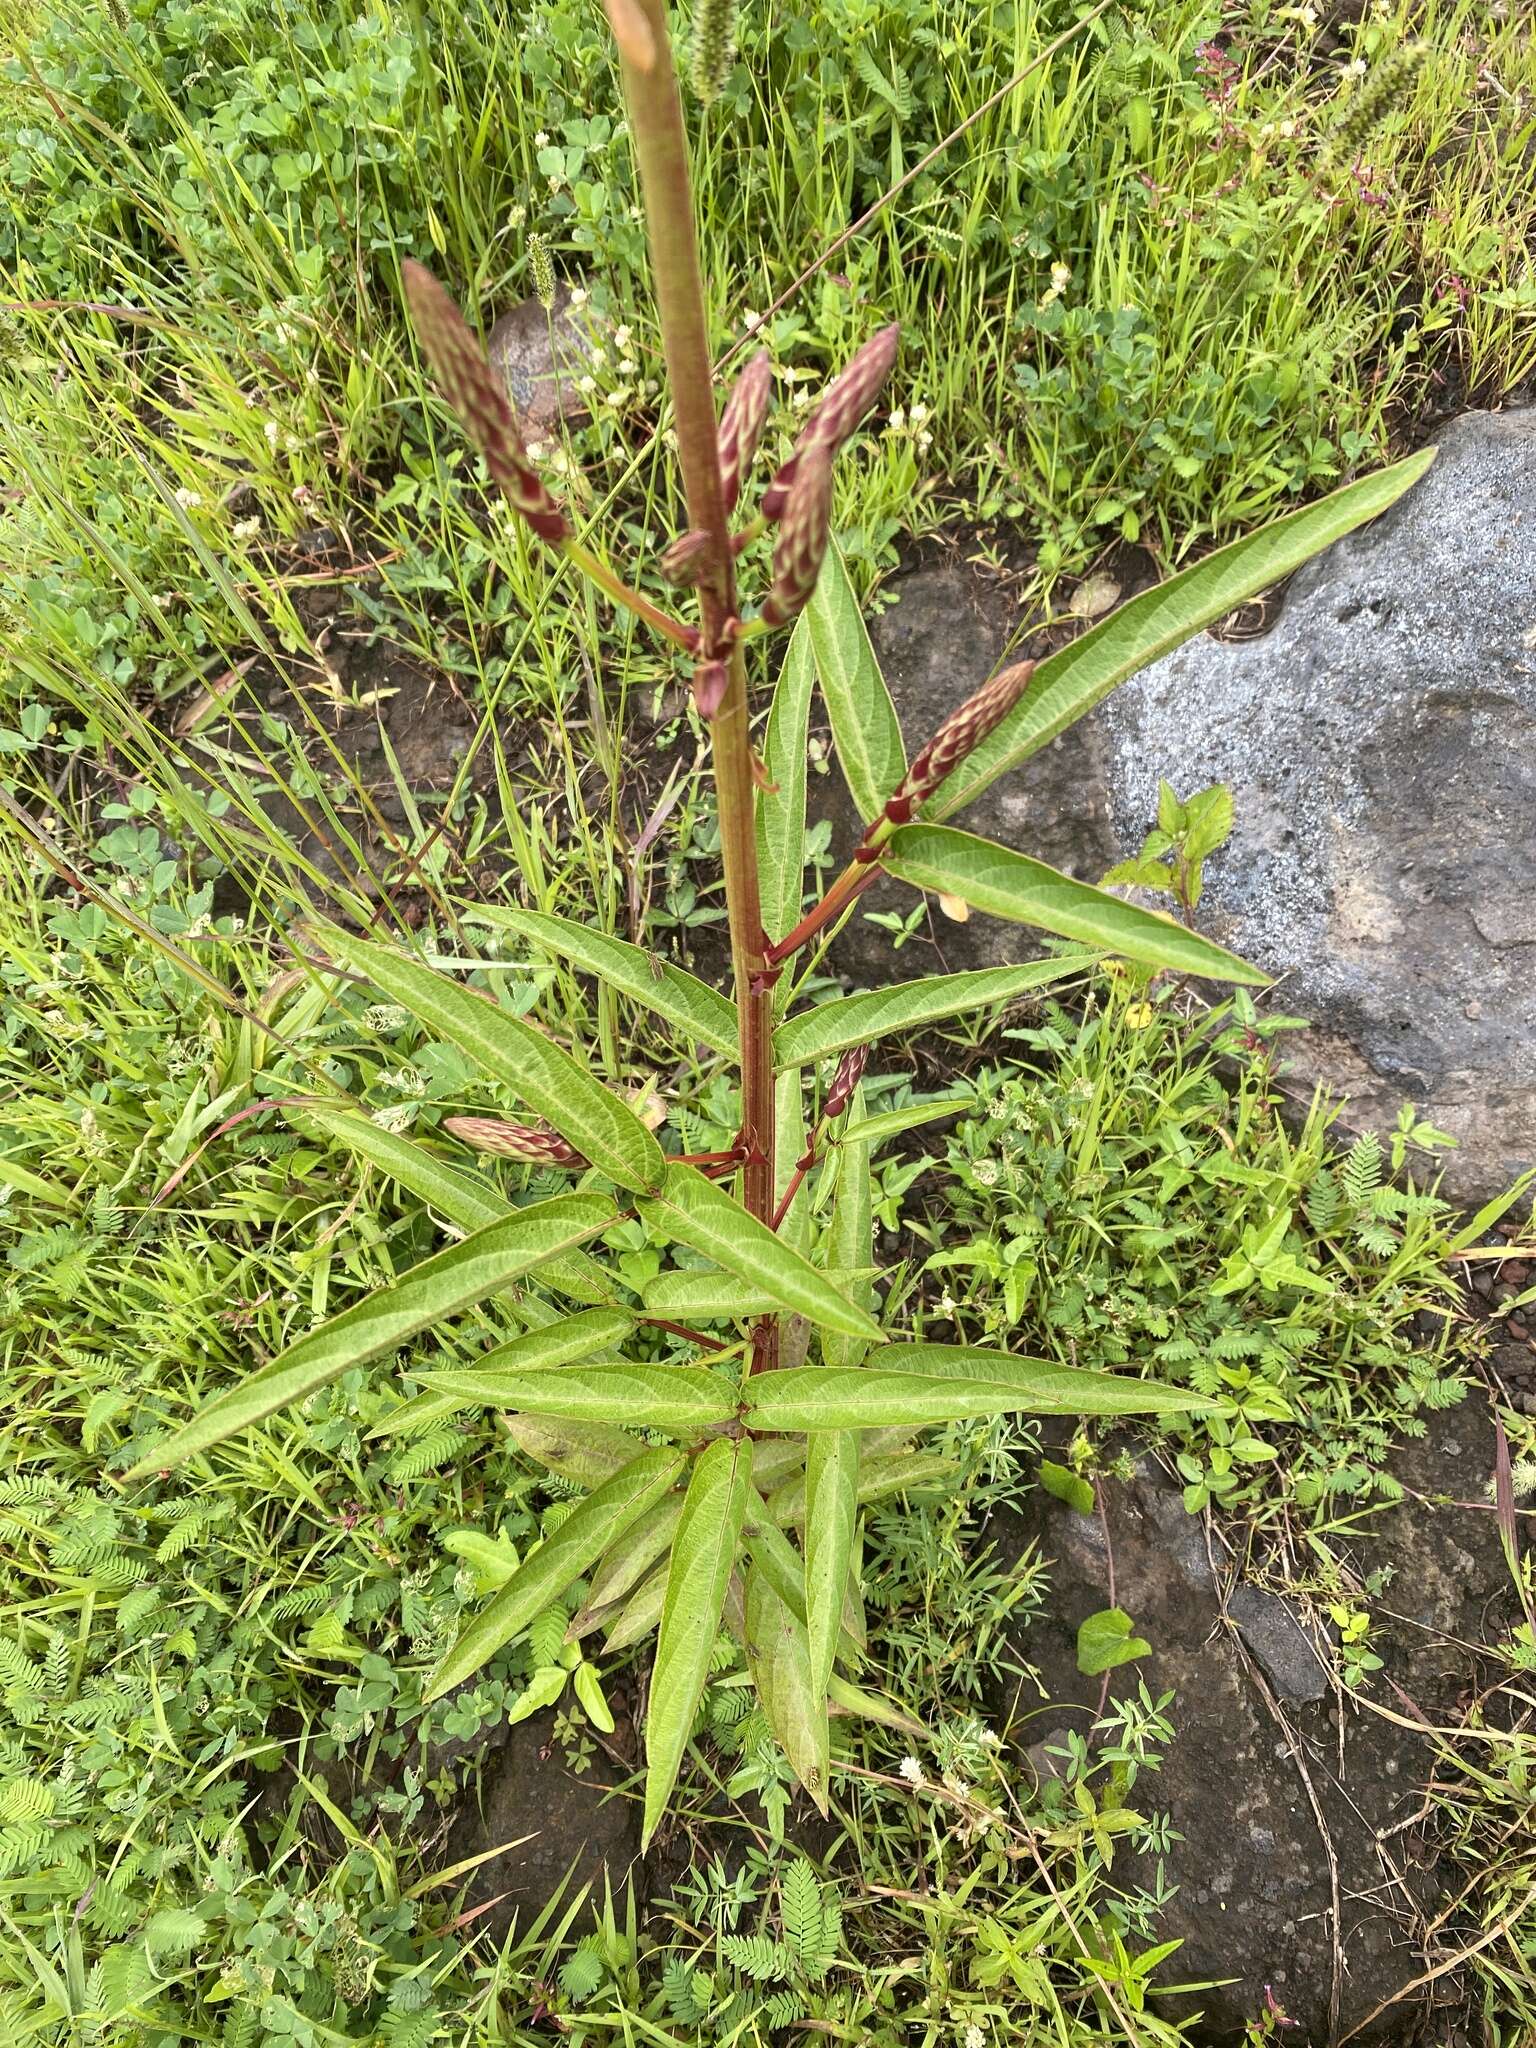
[
  {"x": 541, "y": 354},
  {"x": 1294, "y": 1654},
  {"x": 1380, "y": 743}
]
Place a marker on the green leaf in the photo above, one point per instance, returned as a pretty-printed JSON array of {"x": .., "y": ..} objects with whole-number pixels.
[
  {"x": 873, "y": 1131},
  {"x": 1070, "y": 682},
  {"x": 909, "y": 1385},
  {"x": 781, "y": 806},
  {"x": 494, "y": 1559},
  {"x": 549, "y": 1081},
  {"x": 1067, "y": 1486},
  {"x": 681, "y": 998},
  {"x": 542, "y": 1690},
  {"x": 703, "y": 1557},
  {"x": 589, "y": 1691},
  {"x": 440, "y": 1286},
  {"x": 672, "y": 1397},
  {"x": 1105, "y": 1639},
  {"x": 779, "y": 1661},
  {"x": 707, "y": 1296},
  {"x": 595, "y": 1331},
  {"x": 640, "y": 1613},
  {"x": 859, "y": 1020},
  {"x": 694, "y": 1212},
  {"x": 865, "y": 729},
  {"x": 851, "y": 1233},
  {"x": 878, "y": 1478},
  {"x": 563, "y": 1556},
  {"x": 832, "y": 1509},
  {"x": 586, "y": 1453},
  {"x": 463, "y": 1199},
  {"x": 626, "y": 1562},
  {"x": 1011, "y": 885}
]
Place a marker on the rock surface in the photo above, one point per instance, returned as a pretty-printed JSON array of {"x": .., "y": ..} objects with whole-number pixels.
[
  {"x": 541, "y": 354},
  {"x": 1270, "y": 1774},
  {"x": 1380, "y": 743}
]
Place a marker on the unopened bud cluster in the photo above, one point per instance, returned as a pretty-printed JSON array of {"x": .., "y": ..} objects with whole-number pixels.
[
  {"x": 850, "y": 1071},
  {"x": 1386, "y": 87},
  {"x": 960, "y": 734},
  {"x": 472, "y": 388},
  {"x": 530, "y": 1143},
  {"x": 713, "y": 47}
]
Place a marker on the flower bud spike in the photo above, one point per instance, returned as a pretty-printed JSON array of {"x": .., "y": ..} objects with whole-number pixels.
[
  {"x": 527, "y": 1142},
  {"x": 682, "y": 561},
  {"x": 472, "y": 388},
  {"x": 841, "y": 407},
  {"x": 850, "y": 1071},
  {"x": 804, "y": 532},
  {"x": 542, "y": 264},
  {"x": 742, "y": 423},
  {"x": 960, "y": 734}
]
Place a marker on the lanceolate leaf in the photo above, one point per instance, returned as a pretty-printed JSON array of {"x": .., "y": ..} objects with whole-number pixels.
[
  {"x": 832, "y": 1489},
  {"x": 709, "y": 1296},
  {"x": 1011, "y": 885},
  {"x": 859, "y": 1020},
  {"x": 703, "y": 1557},
  {"x": 580, "y": 1539},
  {"x": 851, "y": 1233},
  {"x": 594, "y": 1331},
  {"x": 781, "y": 805},
  {"x": 695, "y": 1212},
  {"x": 448, "y": 1282},
  {"x": 779, "y": 1659},
  {"x": 586, "y": 1453},
  {"x": 873, "y": 1131},
  {"x": 600, "y": 1126},
  {"x": 626, "y": 1562},
  {"x": 937, "y": 1384},
  {"x": 878, "y": 1478},
  {"x": 640, "y": 1613},
  {"x": 681, "y": 998},
  {"x": 463, "y": 1199},
  {"x": 865, "y": 728},
  {"x": 681, "y": 1397},
  {"x": 1070, "y": 682}
]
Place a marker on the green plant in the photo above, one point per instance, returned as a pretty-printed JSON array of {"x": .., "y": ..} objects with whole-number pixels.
[{"x": 685, "y": 1525}]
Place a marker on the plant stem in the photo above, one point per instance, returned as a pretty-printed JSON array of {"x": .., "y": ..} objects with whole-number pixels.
[{"x": 656, "y": 120}]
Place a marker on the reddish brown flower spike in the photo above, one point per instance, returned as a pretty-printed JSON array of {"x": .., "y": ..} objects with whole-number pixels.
[
  {"x": 850, "y": 1071},
  {"x": 471, "y": 387},
  {"x": 960, "y": 734},
  {"x": 804, "y": 532},
  {"x": 527, "y": 1142},
  {"x": 843, "y": 404},
  {"x": 682, "y": 561},
  {"x": 742, "y": 423}
]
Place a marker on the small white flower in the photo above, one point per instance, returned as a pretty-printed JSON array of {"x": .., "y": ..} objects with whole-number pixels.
[
  {"x": 291, "y": 443},
  {"x": 187, "y": 500},
  {"x": 975, "y": 2037},
  {"x": 622, "y": 337},
  {"x": 751, "y": 322},
  {"x": 800, "y": 399},
  {"x": 535, "y": 450},
  {"x": 272, "y": 430},
  {"x": 541, "y": 140},
  {"x": 519, "y": 214},
  {"x": 911, "y": 1770},
  {"x": 246, "y": 529},
  {"x": 628, "y": 367},
  {"x": 586, "y": 386},
  {"x": 897, "y": 422},
  {"x": 1356, "y": 68},
  {"x": 918, "y": 413},
  {"x": 579, "y": 295}
]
